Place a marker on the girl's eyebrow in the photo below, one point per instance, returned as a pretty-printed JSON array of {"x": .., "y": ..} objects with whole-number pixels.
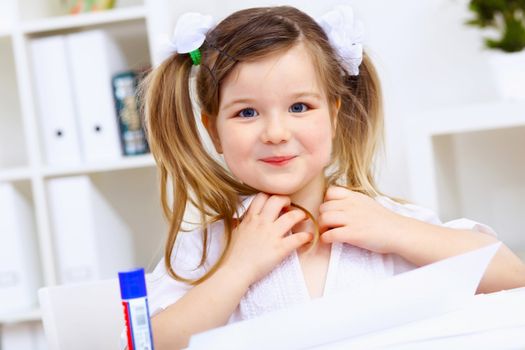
[
  {"x": 296, "y": 95},
  {"x": 240, "y": 100},
  {"x": 306, "y": 94}
]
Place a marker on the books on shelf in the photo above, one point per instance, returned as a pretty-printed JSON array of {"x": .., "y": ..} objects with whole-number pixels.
[
  {"x": 78, "y": 111},
  {"x": 132, "y": 135},
  {"x": 92, "y": 241},
  {"x": 19, "y": 274}
]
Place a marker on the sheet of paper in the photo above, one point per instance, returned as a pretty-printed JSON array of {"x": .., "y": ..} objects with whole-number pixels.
[
  {"x": 422, "y": 293},
  {"x": 484, "y": 322}
]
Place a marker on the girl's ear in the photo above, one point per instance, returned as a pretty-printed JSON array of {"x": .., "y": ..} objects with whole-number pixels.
[{"x": 212, "y": 131}]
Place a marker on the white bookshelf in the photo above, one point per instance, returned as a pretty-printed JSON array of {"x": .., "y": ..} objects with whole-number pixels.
[
  {"x": 469, "y": 161},
  {"x": 129, "y": 184}
]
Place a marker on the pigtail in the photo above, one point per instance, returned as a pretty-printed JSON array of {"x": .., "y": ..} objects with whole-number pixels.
[
  {"x": 359, "y": 131},
  {"x": 181, "y": 158}
]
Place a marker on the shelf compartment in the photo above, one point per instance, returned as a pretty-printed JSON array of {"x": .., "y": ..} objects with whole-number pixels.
[
  {"x": 468, "y": 162},
  {"x": 20, "y": 275},
  {"x": 119, "y": 222},
  {"x": 479, "y": 175},
  {"x": 129, "y": 44}
]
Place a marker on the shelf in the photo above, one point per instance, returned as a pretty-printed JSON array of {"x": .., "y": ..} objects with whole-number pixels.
[
  {"x": 21, "y": 316},
  {"x": 83, "y": 20},
  {"x": 16, "y": 174},
  {"x": 131, "y": 162},
  {"x": 425, "y": 128},
  {"x": 476, "y": 117}
]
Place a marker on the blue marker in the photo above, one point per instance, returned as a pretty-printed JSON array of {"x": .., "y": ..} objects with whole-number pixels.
[{"x": 136, "y": 312}]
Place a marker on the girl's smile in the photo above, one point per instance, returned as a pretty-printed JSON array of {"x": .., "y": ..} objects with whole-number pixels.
[{"x": 278, "y": 161}]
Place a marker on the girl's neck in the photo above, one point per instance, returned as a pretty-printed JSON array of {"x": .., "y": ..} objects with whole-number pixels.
[{"x": 311, "y": 196}]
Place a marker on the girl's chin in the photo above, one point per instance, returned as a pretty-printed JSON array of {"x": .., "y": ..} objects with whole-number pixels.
[{"x": 277, "y": 190}]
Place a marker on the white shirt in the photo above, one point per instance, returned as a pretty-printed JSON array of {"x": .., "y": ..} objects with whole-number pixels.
[{"x": 284, "y": 286}]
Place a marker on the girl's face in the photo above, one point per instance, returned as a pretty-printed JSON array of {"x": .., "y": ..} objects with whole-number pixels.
[{"x": 273, "y": 126}]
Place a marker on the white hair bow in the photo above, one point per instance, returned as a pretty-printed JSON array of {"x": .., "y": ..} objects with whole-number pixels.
[
  {"x": 189, "y": 34},
  {"x": 346, "y": 36}
]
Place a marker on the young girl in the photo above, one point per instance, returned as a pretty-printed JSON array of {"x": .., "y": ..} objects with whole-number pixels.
[{"x": 294, "y": 108}]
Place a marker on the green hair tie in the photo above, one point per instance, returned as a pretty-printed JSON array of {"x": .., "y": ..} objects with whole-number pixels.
[{"x": 196, "y": 57}]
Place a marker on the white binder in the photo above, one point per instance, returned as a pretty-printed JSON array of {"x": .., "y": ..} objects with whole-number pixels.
[
  {"x": 19, "y": 274},
  {"x": 55, "y": 107},
  {"x": 95, "y": 57},
  {"x": 91, "y": 240}
]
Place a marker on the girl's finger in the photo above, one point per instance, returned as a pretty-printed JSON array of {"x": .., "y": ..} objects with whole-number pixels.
[
  {"x": 338, "y": 234},
  {"x": 332, "y": 219},
  {"x": 257, "y": 204},
  {"x": 333, "y": 205},
  {"x": 288, "y": 220},
  {"x": 296, "y": 240},
  {"x": 273, "y": 207},
  {"x": 336, "y": 192}
]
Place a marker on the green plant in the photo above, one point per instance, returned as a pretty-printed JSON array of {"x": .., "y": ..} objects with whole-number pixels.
[{"x": 507, "y": 17}]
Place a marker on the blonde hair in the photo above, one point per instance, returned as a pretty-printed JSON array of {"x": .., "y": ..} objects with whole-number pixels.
[{"x": 182, "y": 160}]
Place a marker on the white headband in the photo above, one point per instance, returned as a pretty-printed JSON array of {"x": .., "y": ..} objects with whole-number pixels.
[{"x": 343, "y": 31}]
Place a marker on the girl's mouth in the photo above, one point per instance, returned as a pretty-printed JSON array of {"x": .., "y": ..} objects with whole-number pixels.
[{"x": 278, "y": 161}]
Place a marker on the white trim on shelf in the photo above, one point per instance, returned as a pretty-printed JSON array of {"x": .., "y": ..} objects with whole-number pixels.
[
  {"x": 31, "y": 315},
  {"x": 15, "y": 174},
  {"x": 473, "y": 117},
  {"x": 130, "y": 162},
  {"x": 83, "y": 20}
]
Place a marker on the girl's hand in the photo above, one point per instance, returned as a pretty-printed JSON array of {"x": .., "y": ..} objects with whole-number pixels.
[
  {"x": 354, "y": 218},
  {"x": 259, "y": 242}
]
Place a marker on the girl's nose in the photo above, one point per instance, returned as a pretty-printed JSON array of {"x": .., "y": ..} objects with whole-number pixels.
[{"x": 276, "y": 130}]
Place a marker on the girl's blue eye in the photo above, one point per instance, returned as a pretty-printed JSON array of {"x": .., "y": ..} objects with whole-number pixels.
[
  {"x": 298, "y": 108},
  {"x": 248, "y": 113}
]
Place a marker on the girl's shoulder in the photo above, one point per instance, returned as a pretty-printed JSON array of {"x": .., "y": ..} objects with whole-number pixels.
[
  {"x": 409, "y": 209},
  {"x": 188, "y": 248},
  {"x": 432, "y": 217}
]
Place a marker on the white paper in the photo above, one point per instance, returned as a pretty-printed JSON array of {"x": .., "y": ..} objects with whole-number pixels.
[
  {"x": 484, "y": 322},
  {"x": 420, "y": 294}
]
